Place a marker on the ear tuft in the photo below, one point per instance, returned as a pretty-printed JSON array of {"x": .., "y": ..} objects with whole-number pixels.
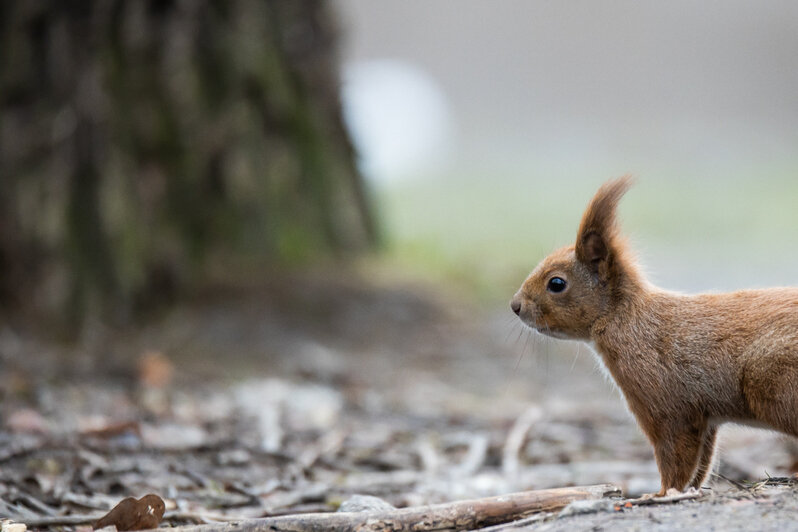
[{"x": 596, "y": 241}]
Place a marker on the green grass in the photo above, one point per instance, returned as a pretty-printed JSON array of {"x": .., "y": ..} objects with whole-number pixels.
[{"x": 483, "y": 235}]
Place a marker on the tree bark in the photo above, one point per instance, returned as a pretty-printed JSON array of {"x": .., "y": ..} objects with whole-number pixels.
[{"x": 142, "y": 141}]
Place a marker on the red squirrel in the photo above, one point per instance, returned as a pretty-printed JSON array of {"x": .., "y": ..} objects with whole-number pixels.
[{"x": 684, "y": 363}]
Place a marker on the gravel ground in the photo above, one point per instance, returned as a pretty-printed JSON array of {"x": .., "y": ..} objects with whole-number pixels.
[
  {"x": 294, "y": 395},
  {"x": 769, "y": 509}
]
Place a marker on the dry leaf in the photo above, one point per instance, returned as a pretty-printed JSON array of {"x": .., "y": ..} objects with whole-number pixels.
[
  {"x": 132, "y": 514},
  {"x": 27, "y": 421},
  {"x": 7, "y": 525},
  {"x": 155, "y": 369},
  {"x": 113, "y": 429}
]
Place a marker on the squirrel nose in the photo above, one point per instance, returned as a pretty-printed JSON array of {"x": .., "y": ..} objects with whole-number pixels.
[{"x": 515, "y": 304}]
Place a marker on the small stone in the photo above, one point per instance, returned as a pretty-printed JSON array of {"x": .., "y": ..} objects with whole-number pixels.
[
  {"x": 233, "y": 457},
  {"x": 587, "y": 507},
  {"x": 365, "y": 503},
  {"x": 10, "y": 526}
]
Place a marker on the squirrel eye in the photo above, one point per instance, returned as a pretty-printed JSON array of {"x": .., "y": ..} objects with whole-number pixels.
[{"x": 556, "y": 285}]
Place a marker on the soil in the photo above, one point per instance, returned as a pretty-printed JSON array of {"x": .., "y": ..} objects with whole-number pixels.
[{"x": 294, "y": 394}]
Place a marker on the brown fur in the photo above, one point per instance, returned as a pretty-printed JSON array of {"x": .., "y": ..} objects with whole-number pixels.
[{"x": 684, "y": 363}]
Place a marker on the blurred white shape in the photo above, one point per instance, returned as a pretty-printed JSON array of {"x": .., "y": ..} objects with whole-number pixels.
[
  {"x": 276, "y": 405},
  {"x": 398, "y": 117}
]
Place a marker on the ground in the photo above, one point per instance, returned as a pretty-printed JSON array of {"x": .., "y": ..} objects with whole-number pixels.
[{"x": 293, "y": 394}]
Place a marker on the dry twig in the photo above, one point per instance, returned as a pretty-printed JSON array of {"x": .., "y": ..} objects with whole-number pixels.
[
  {"x": 671, "y": 496},
  {"x": 516, "y": 437},
  {"x": 459, "y": 515}
]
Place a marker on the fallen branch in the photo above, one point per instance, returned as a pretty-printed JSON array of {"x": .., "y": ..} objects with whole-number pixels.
[
  {"x": 672, "y": 496},
  {"x": 459, "y": 515}
]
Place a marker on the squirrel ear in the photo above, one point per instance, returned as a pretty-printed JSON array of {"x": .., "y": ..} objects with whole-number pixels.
[
  {"x": 593, "y": 251},
  {"x": 597, "y": 236}
]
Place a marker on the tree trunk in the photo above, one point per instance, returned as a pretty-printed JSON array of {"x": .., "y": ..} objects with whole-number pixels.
[{"x": 141, "y": 141}]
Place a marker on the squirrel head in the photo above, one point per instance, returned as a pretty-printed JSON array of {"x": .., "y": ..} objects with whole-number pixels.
[{"x": 576, "y": 285}]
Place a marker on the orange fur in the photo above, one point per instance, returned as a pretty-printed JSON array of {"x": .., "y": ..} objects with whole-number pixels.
[{"x": 684, "y": 363}]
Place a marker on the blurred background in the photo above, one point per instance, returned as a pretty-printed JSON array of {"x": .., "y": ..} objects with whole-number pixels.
[
  {"x": 337, "y": 199},
  {"x": 147, "y": 147},
  {"x": 518, "y": 110}
]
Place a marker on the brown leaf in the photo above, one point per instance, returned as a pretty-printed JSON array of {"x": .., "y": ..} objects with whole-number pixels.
[
  {"x": 27, "y": 421},
  {"x": 113, "y": 429},
  {"x": 132, "y": 514},
  {"x": 155, "y": 370}
]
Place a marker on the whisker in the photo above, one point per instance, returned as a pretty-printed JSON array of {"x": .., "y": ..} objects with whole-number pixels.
[
  {"x": 518, "y": 362},
  {"x": 518, "y": 337},
  {"x": 510, "y": 329},
  {"x": 523, "y": 350},
  {"x": 548, "y": 351},
  {"x": 576, "y": 356}
]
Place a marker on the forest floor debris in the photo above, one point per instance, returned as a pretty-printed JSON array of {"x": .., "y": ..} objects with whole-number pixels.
[{"x": 291, "y": 398}]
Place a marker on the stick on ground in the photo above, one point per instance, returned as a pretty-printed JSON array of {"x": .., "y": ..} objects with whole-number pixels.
[{"x": 458, "y": 515}]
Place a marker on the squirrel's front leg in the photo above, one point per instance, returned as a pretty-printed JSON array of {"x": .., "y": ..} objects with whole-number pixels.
[{"x": 677, "y": 451}]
